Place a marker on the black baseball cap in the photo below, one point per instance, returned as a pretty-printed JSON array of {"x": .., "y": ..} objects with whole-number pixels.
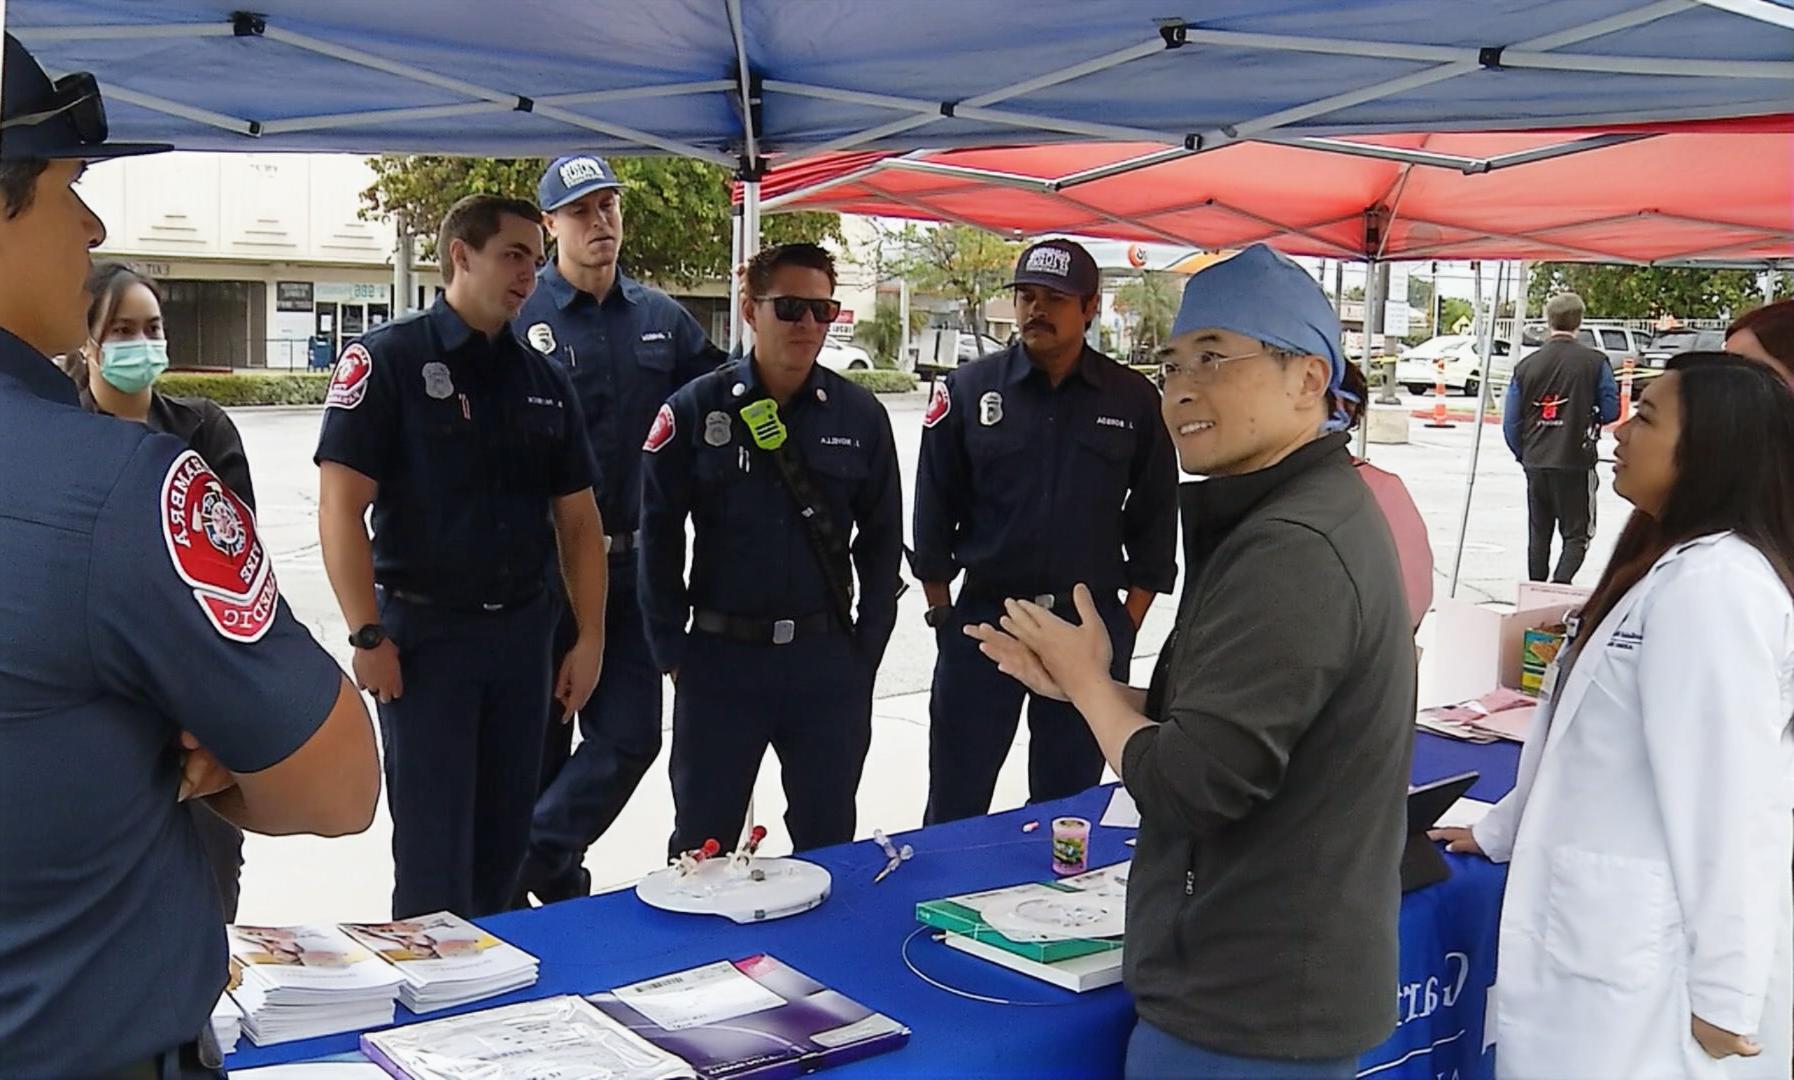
[
  {"x": 1060, "y": 265},
  {"x": 60, "y": 120}
]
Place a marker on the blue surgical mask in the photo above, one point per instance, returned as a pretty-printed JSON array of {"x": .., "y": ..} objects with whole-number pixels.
[{"x": 132, "y": 366}]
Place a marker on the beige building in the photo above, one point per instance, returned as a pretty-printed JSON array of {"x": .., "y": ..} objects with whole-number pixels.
[{"x": 256, "y": 253}]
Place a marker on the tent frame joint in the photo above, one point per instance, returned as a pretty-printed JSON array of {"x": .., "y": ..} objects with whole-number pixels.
[
  {"x": 1176, "y": 34},
  {"x": 1489, "y": 57},
  {"x": 524, "y": 104},
  {"x": 248, "y": 24}
]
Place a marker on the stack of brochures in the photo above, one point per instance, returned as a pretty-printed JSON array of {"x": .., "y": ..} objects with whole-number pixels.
[
  {"x": 299, "y": 982},
  {"x": 227, "y": 1021},
  {"x": 1066, "y": 932},
  {"x": 752, "y": 1019},
  {"x": 443, "y": 960},
  {"x": 1499, "y": 714}
]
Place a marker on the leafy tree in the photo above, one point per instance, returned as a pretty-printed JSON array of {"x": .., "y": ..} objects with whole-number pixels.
[
  {"x": 1152, "y": 300},
  {"x": 959, "y": 262},
  {"x": 676, "y": 214},
  {"x": 1455, "y": 311},
  {"x": 882, "y": 335},
  {"x": 1646, "y": 292}
]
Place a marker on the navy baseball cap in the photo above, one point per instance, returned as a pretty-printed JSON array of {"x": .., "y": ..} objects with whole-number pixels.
[
  {"x": 1060, "y": 265},
  {"x": 60, "y": 120},
  {"x": 573, "y": 177}
]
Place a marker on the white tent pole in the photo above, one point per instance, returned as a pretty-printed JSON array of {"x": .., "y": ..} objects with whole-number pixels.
[
  {"x": 1761, "y": 10},
  {"x": 750, "y": 241},
  {"x": 477, "y": 108},
  {"x": 1150, "y": 47},
  {"x": 750, "y": 138},
  {"x": 736, "y": 259},
  {"x": 937, "y": 110},
  {"x": 1486, "y": 343},
  {"x": 1373, "y": 318},
  {"x": 1565, "y": 149}
]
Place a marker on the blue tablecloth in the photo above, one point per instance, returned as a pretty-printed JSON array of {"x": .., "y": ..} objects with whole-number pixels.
[{"x": 856, "y": 944}]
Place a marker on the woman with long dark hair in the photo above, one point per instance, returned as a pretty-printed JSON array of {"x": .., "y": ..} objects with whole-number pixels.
[
  {"x": 115, "y": 374},
  {"x": 1647, "y": 926}
]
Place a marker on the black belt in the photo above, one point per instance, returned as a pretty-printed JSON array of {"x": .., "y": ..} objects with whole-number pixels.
[
  {"x": 752, "y": 631},
  {"x": 622, "y": 543},
  {"x": 475, "y": 607},
  {"x": 1062, "y": 603}
]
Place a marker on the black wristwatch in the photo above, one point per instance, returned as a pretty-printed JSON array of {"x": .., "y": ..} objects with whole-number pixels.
[
  {"x": 369, "y": 636},
  {"x": 936, "y": 617}
]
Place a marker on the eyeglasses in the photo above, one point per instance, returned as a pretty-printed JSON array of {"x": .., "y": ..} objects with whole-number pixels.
[
  {"x": 792, "y": 308},
  {"x": 1202, "y": 368},
  {"x": 77, "y": 96}
]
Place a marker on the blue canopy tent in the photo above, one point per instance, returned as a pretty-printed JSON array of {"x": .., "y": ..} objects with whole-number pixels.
[{"x": 733, "y": 81}]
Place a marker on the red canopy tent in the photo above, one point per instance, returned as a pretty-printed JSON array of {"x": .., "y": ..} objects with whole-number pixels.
[{"x": 1713, "y": 191}]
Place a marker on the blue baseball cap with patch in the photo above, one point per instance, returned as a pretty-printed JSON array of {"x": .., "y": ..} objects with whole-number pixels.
[
  {"x": 1260, "y": 293},
  {"x": 570, "y": 178}
]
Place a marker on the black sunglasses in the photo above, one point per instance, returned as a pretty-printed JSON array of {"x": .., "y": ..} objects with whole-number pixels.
[
  {"x": 75, "y": 97},
  {"x": 792, "y": 308}
]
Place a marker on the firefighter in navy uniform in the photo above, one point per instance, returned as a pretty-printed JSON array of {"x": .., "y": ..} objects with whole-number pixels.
[
  {"x": 627, "y": 347},
  {"x": 470, "y": 447},
  {"x": 1042, "y": 466},
  {"x": 774, "y": 653},
  {"x": 146, "y": 660}
]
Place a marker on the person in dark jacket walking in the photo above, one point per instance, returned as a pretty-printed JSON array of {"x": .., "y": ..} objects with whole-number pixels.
[
  {"x": 1270, "y": 756},
  {"x": 1558, "y": 400}
]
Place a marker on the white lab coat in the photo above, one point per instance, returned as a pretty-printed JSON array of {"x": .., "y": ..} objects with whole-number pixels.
[{"x": 1651, "y": 834}]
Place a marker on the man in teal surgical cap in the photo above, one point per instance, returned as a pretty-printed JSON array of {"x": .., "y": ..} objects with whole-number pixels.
[{"x": 1270, "y": 755}]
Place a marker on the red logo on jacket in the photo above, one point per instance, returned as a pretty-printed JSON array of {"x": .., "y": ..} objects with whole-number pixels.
[
  {"x": 940, "y": 403},
  {"x": 662, "y": 431},
  {"x": 213, "y": 544}
]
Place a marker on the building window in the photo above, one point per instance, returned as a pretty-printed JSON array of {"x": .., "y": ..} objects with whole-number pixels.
[{"x": 213, "y": 324}]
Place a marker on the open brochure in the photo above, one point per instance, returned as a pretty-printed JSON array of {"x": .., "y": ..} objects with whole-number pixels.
[
  {"x": 757, "y": 1018},
  {"x": 1498, "y": 714},
  {"x": 563, "y": 1038}
]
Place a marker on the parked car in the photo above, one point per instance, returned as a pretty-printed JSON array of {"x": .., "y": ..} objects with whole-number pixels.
[
  {"x": 1618, "y": 342},
  {"x": 840, "y": 356},
  {"x": 1417, "y": 368},
  {"x": 1654, "y": 357},
  {"x": 972, "y": 346}
]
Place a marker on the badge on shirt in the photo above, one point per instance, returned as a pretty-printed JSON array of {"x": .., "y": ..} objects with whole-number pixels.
[
  {"x": 940, "y": 403},
  {"x": 662, "y": 431},
  {"x": 349, "y": 382},
  {"x": 990, "y": 408},
  {"x": 717, "y": 429},
  {"x": 437, "y": 382},
  {"x": 212, "y": 542},
  {"x": 541, "y": 336}
]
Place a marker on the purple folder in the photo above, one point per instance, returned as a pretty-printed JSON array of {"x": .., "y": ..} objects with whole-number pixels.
[{"x": 814, "y": 1028}]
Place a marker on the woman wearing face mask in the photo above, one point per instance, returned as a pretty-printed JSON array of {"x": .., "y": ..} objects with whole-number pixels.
[
  {"x": 1646, "y": 926},
  {"x": 126, "y": 353},
  {"x": 116, "y": 375}
]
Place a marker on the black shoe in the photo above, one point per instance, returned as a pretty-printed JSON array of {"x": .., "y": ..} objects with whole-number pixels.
[{"x": 573, "y": 885}]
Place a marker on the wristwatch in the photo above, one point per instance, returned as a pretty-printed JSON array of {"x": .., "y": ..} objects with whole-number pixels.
[
  {"x": 368, "y": 636},
  {"x": 936, "y": 617}
]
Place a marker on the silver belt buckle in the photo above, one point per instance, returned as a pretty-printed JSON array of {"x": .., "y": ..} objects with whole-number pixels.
[
  {"x": 784, "y": 632},
  {"x": 1045, "y": 600},
  {"x": 492, "y": 607}
]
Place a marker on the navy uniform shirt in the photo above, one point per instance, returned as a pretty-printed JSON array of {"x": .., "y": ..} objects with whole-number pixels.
[
  {"x": 138, "y": 602},
  {"x": 1032, "y": 489},
  {"x": 751, "y": 555},
  {"x": 627, "y": 354},
  {"x": 470, "y": 441}
]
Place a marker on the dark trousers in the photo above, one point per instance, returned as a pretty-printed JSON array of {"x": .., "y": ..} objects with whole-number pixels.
[
  {"x": 1559, "y": 500},
  {"x": 974, "y": 709},
  {"x": 463, "y": 752},
  {"x": 585, "y": 788},
  {"x": 810, "y": 700},
  {"x": 1153, "y": 1054},
  {"x": 223, "y": 844},
  {"x": 197, "y": 1060}
]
